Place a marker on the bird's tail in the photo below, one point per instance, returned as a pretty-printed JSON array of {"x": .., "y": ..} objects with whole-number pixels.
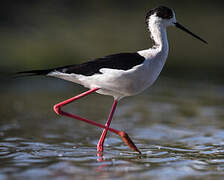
[{"x": 33, "y": 73}]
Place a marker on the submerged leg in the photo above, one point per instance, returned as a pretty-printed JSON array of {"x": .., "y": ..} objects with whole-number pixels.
[{"x": 122, "y": 134}]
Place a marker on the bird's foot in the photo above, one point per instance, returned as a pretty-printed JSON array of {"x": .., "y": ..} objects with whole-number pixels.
[
  {"x": 100, "y": 152},
  {"x": 127, "y": 140}
]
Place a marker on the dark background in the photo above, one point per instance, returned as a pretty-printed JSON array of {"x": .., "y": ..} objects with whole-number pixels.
[{"x": 45, "y": 34}]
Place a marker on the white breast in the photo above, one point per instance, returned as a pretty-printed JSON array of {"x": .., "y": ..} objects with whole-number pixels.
[
  {"x": 117, "y": 83},
  {"x": 121, "y": 83}
]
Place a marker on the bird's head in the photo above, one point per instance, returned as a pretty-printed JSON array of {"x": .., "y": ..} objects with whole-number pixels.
[
  {"x": 161, "y": 15},
  {"x": 164, "y": 17}
]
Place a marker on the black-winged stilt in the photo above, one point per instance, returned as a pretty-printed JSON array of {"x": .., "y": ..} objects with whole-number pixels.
[{"x": 120, "y": 75}]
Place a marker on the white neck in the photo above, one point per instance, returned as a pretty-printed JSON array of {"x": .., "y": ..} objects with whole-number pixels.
[{"x": 159, "y": 36}]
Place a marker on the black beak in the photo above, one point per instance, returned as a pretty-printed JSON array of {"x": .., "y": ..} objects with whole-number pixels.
[{"x": 189, "y": 32}]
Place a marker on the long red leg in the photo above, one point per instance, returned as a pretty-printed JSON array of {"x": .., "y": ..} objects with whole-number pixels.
[
  {"x": 104, "y": 133},
  {"x": 122, "y": 134}
]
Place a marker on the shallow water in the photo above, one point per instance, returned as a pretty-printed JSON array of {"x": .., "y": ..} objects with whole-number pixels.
[{"x": 178, "y": 126}]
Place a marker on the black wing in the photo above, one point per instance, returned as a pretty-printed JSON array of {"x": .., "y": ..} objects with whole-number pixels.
[{"x": 122, "y": 61}]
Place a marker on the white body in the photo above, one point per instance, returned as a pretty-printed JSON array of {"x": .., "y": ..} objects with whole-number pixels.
[{"x": 121, "y": 83}]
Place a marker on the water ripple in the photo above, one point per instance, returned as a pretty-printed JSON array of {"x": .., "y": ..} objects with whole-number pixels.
[{"x": 180, "y": 134}]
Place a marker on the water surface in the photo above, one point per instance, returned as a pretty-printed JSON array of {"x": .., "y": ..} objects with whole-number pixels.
[{"x": 178, "y": 126}]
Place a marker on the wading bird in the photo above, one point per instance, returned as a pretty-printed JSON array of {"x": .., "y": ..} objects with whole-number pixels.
[{"x": 120, "y": 75}]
